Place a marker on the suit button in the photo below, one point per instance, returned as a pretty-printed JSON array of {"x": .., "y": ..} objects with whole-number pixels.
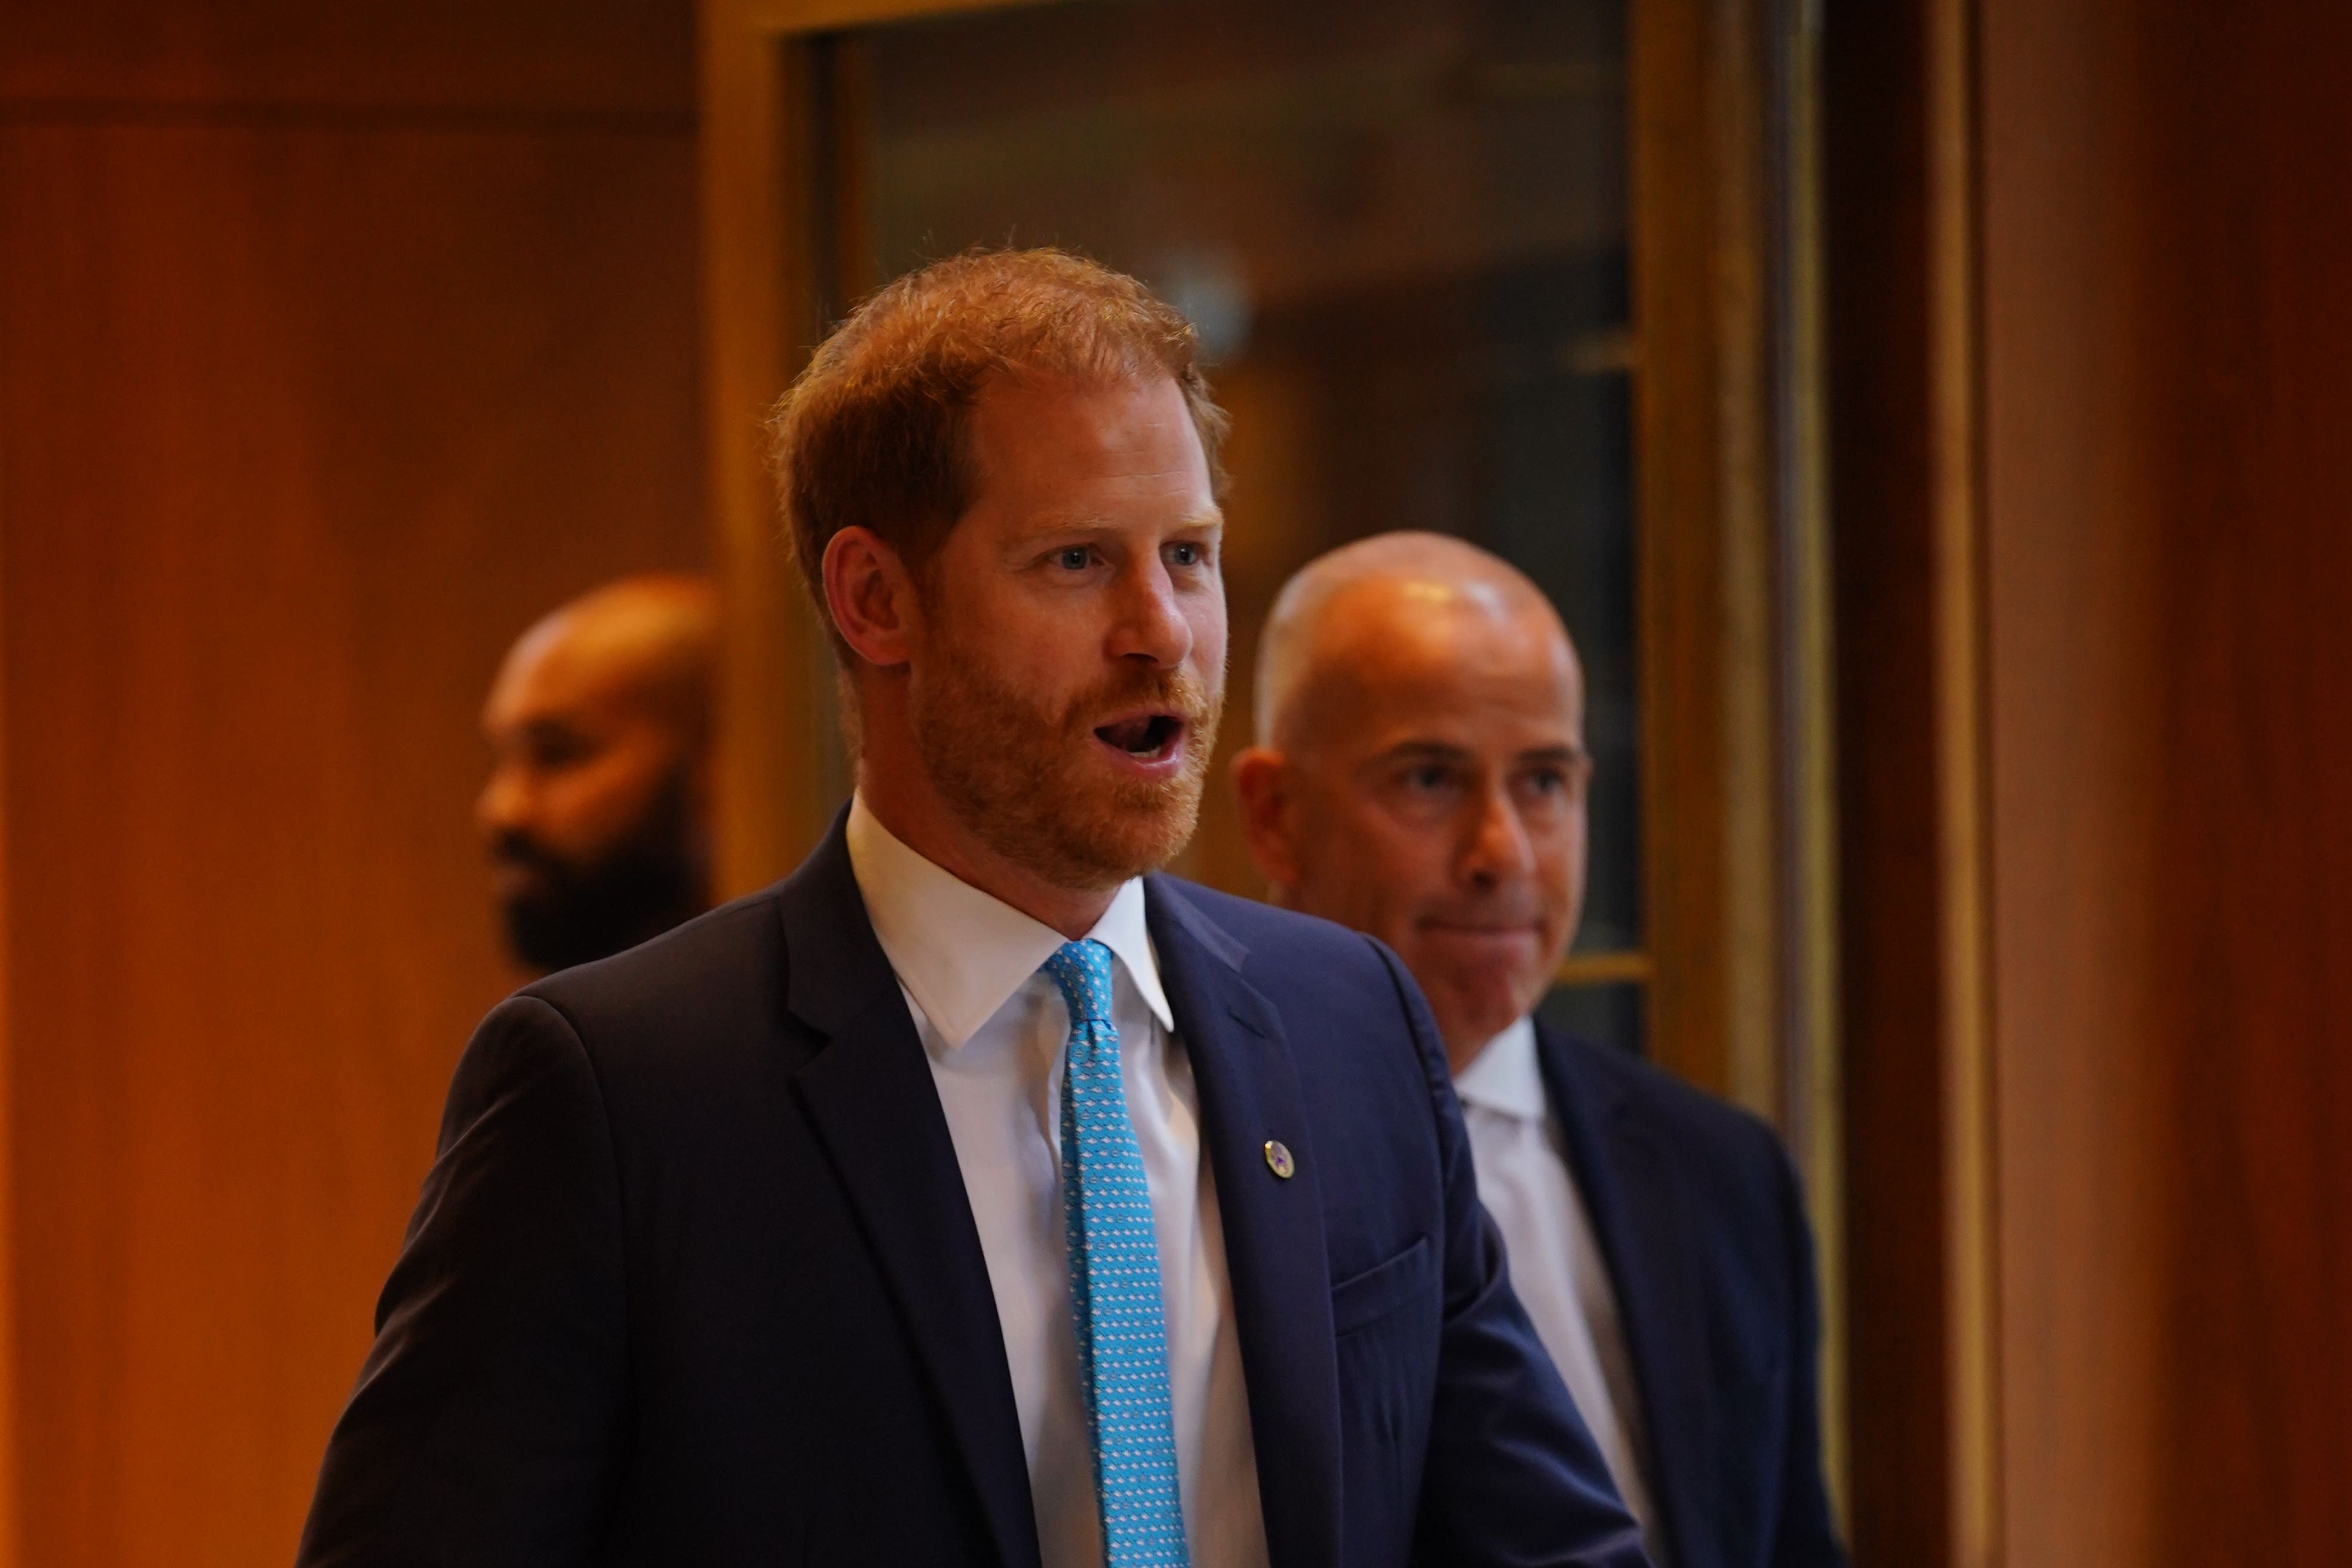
[{"x": 1278, "y": 1160}]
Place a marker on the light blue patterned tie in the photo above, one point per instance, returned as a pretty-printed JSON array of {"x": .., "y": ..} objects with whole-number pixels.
[{"x": 1115, "y": 1281}]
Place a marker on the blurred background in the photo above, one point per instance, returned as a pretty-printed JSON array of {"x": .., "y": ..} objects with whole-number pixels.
[{"x": 1930, "y": 416}]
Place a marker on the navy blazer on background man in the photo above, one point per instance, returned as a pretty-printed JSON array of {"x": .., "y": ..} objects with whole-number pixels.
[
  {"x": 694, "y": 1278},
  {"x": 1697, "y": 1214}
]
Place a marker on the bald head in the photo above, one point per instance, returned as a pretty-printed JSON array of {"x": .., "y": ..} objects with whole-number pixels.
[
  {"x": 595, "y": 813},
  {"x": 1420, "y": 769},
  {"x": 1341, "y": 607},
  {"x": 650, "y": 641}
]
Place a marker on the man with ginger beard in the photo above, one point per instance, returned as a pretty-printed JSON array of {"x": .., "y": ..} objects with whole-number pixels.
[
  {"x": 1420, "y": 775},
  {"x": 978, "y": 1194},
  {"x": 596, "y": 812}
]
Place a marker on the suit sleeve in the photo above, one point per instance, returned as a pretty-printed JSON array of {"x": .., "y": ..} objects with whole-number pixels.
[
  {"x": 1512, "y": 1479},
  {"x": 487, "y": 1417},
  {"x": 1807, "y": 1538}
]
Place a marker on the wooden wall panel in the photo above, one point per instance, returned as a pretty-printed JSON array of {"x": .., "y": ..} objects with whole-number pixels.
[
  {"x": 2157, "y": 219},
  {"x": 2086, "y": 1101},
  {"x": 302, "y": 417},
  {"x": 2169, "y": 529},
  {"x": 134, "y": 59}
]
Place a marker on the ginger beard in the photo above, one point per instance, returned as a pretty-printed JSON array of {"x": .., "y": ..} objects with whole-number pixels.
[{"x": 1030, "y": 783}]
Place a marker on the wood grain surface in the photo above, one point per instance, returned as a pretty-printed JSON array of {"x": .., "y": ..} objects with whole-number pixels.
[
  {"x": 320, "y": 382},
  {"x": 2164, "y": 548},
  {"x": 2168, "y": 206}
]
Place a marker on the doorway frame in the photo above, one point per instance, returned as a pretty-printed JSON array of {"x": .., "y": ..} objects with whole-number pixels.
[{"x": 1734, "y": 655}]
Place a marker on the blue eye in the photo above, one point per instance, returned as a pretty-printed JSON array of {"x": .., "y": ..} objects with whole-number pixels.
[
  {"x": 1074, "y": 558},
  {"x": 1185, "y": 554}
]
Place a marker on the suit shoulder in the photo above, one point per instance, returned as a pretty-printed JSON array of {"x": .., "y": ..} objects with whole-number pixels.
[
  {"x": 1270, "y": 937},
  {"x": 1696, "y": 1121},
  {"x": 718, "y": 971}
]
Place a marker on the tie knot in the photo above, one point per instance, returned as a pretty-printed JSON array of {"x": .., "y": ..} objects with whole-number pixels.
[{"x": 1082, "y": 969}]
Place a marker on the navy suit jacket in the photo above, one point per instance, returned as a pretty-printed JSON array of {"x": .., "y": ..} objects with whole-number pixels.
[
  {"x": 694, "y": 1279},
  {"x": 1698, "y": 1213}
]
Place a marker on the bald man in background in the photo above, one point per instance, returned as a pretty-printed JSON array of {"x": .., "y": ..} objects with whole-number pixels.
[
  {"x": 596, "y": 814},
  {"x": 1419, "y": 774}
]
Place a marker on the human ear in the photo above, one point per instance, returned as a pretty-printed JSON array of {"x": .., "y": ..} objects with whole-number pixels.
[
  {"x": 1262, "y": 781},
  {"x": 871, "y": 596}
]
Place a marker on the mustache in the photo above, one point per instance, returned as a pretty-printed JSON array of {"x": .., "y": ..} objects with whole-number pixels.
[
  {"x": 1176, "y": 691},
  {"x": 514, "y": 849}
]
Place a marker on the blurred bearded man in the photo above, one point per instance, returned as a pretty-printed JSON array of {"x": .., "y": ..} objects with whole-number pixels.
[
  {"x": 596, "y": 813},
  {"x": 1420, "y": 775},
  {"x": 977, "y": 1195}
]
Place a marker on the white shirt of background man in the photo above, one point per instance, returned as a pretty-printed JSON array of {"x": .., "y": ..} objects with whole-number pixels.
[
  {"x": 1557, "y": 1269},
  {"x": 995, "y": 1030}
]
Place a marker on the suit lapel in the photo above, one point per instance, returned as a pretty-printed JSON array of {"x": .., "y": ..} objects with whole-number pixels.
[
  {"x": 870, "y": 1095},
  {"x": 1273, "y": 1227},
  {"x": 1631, "y": 1190}
]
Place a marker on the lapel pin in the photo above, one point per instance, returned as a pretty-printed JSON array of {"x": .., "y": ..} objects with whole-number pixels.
[{"x": 1278, "y": 1160}]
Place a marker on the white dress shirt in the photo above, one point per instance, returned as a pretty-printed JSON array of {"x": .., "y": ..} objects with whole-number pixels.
[
  {"x": 995, "y": 1029},
  {"x": 1556, "y": 1265}
]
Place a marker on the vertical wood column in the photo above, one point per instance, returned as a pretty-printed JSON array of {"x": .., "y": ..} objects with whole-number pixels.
[
  {"x": 1900, "y": 207},
  {"x": 2167, "y": 208},
  {"x": 2096, "y": 567},
  {"x": 1706, "y": 535},
  {"x": 758, "y": 190}
]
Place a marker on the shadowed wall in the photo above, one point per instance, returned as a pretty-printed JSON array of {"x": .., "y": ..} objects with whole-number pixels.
[{"x": 336, "y": 343}]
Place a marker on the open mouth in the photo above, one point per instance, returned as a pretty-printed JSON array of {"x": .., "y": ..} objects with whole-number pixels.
[{"x": 1145, "y": 736}]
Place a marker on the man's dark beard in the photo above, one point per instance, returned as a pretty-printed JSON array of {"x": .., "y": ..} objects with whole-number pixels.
[{"x": 652, "y": 881}]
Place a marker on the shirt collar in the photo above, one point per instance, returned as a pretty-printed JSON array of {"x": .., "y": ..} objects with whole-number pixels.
[
  {"x": 1506, "y": 1077},
  {"x": 962, "y": 953}
]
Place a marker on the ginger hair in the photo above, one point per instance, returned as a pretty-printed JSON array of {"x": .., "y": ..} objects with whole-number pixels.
[{"x": 876, "y": 433}]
